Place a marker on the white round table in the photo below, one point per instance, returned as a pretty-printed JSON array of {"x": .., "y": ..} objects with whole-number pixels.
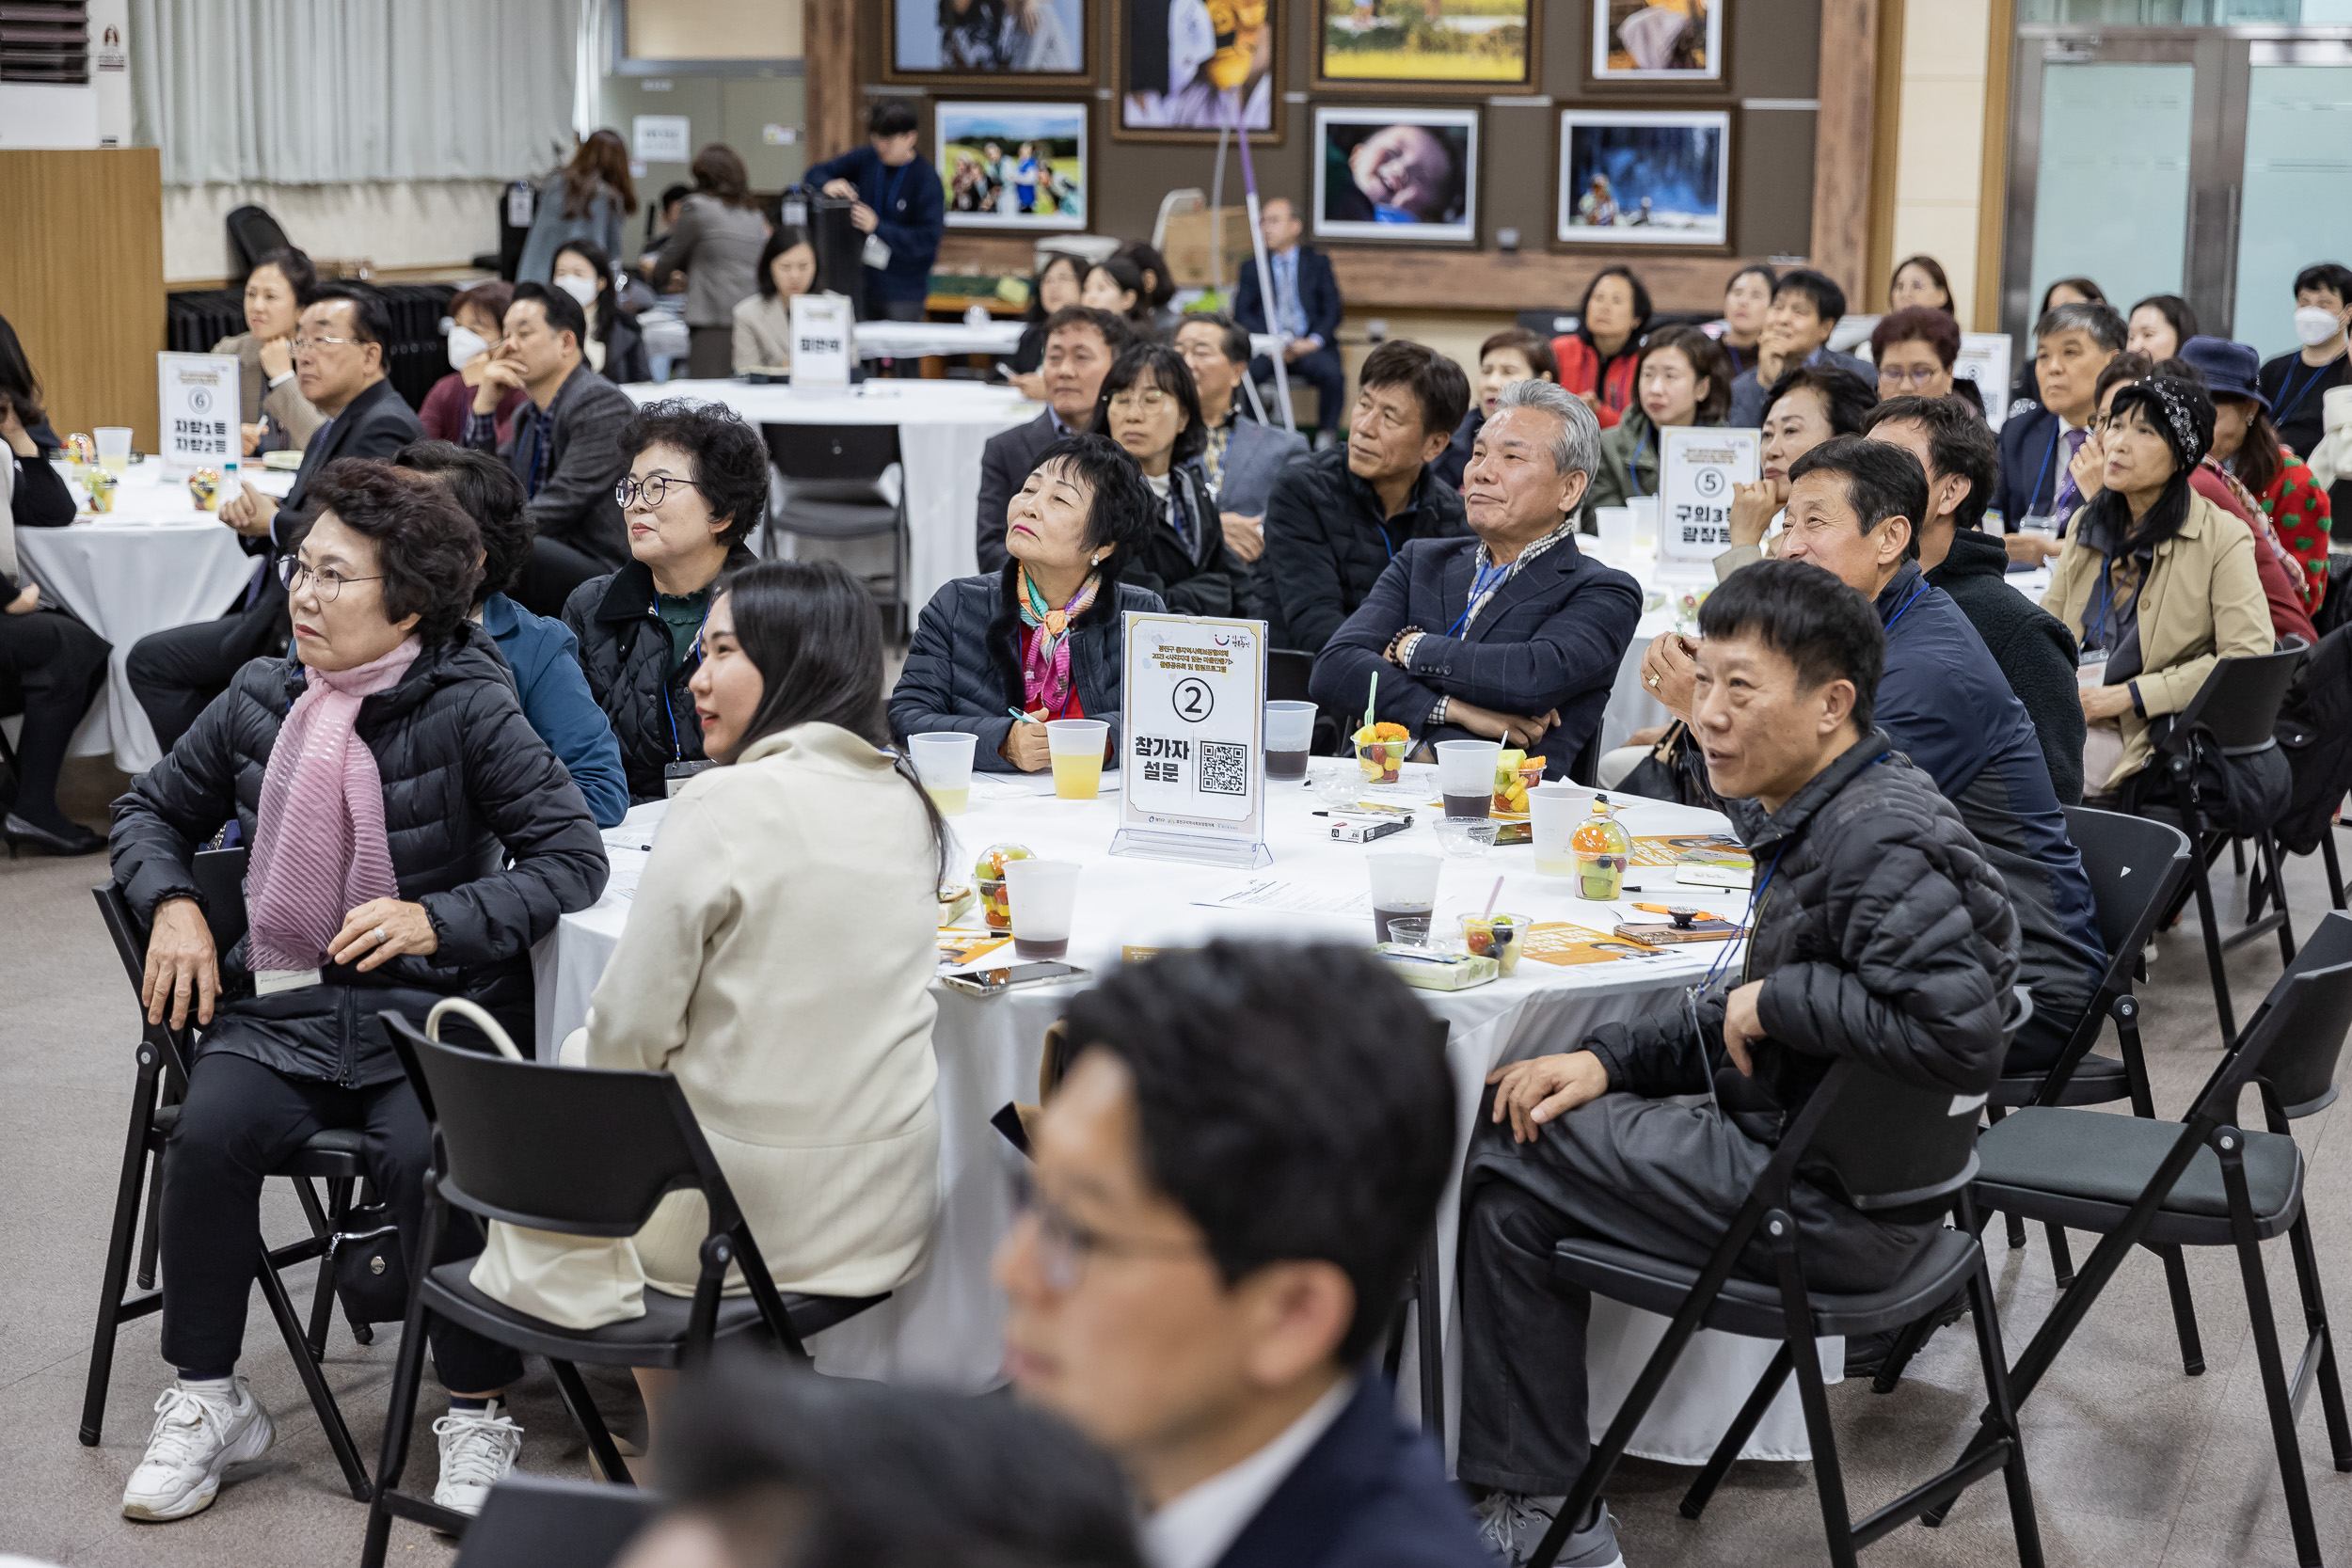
[
  {"x": 941, "y": 427},
  {"x": 152, "y": 564},
  {"x": 945, "y": 1327}
]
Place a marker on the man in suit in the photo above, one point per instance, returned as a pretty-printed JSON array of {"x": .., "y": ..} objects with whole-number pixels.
[
  {"x": 340, "y": 345},
  {"x": 566, "y": 447},
  {"x": 1080, "y": 344},
  {"x": 1513, "y": 635},
  {"x": 1805, "y": 307},
  {"x": 1243, "y": 454},
  {"x": 1230, "y": 1184},
  {"x": 2072, "y": 343},
  {"x": 1307, "y": 305}
]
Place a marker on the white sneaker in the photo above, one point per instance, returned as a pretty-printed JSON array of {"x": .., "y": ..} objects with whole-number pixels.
[
  {"x": 196, "y": 1436},
  {"x": 478, "y": 1450}
]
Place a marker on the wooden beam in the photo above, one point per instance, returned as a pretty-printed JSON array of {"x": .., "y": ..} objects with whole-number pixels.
[
  {"x": 1993, "y": 180},
  {"x": 829, "y": 57},
  {"x": 1843, "y": 136},
  {"x": 1885, "y": 149},
  {"x": 85, "y": 228}
]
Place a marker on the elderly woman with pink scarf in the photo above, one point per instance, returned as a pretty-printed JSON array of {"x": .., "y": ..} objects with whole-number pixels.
[{"x": 411, "y": 836}]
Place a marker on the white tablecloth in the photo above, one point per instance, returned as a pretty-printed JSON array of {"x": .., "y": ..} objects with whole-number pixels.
[
  {"x": 151, "y": 563},
  {"x": 880, "y": 340},
  {"x": 945, "y": 1327},
  {"x": 941, "y": 427}
]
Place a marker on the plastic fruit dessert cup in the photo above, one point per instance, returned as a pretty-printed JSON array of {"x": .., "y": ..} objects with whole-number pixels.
[{"x": 1497, "y": 936}]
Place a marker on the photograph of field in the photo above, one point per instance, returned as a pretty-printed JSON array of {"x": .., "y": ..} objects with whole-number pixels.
[
  {"x": 1467, "y": 43},
  {"x": 1013, "y": 165}
]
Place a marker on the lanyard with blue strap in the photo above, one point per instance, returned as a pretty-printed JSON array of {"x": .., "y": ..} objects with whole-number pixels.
[
  {"x": 677, "y": 747},
  {"x": 1634, "y": 463},
  {"x": 2058, "y": 428},
  {"x": 1487, "y": 580},
  {"x": 890, "y": 197},
  {"x": 1906, "y": 605},
  {"x": 2289, "y": 395}
]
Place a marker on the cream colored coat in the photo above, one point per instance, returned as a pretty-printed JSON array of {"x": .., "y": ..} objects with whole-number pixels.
[
  {"x": 2202, "y": 602},
  {"x": 763, "y": 333},
  {"x": 778, "y": 960}
]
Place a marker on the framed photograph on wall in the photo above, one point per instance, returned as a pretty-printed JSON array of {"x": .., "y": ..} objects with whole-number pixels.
[
  {"x": 1403, "y": 174},
  {"x": 1433, "y": 46},
  {"x": 1644, "y": 177},
  {"x": 1658, "y": 41},
  {"x": 1178, "y": 78},
  {"x": 1012, "y": 165},
  {"x": 987, "y": 43}
]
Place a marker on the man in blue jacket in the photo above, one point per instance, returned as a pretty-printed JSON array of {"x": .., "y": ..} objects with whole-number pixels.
[
  {"x": 543, "y": 653},
  {"x": 1231, "y": 1183},
  {"x": 901, "y": 209}
]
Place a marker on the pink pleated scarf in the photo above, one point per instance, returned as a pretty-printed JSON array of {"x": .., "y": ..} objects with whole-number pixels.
[{"x": 319, "y": 848}]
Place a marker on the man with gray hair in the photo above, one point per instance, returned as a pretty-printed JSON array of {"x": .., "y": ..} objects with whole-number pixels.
[
  {"x": 2072, "y": 343},
  {"x": 1514, "y": 634}
]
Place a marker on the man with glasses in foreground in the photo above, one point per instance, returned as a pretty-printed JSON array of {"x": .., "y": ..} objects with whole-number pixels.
[
  {"x": 1230, "y": 1184},
  {"x": 340, "y": 348}
]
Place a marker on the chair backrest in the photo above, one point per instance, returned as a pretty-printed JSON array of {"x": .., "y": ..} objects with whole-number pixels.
[
  {"x": 2302, "y": 1070},
  {"x": 130, "y": 940},
  {"x": 540, "y": 1522},
  {"x": 2238, "y": 705},
  {"x": 1286, "y": 674},
  {"x": 253, "y": 234},
  {"x": 2293, "y": 1041},
  {"x": 832, "y": 451},
  {"x": 2136, "y": 866},
  {"x": 587, "y": 1151}
]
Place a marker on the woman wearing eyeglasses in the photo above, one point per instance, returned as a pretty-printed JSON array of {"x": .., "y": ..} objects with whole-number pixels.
[
  {"x": 411, "y": 837},
  {"x": 697, "y": 483},
  {"x": 1914, "y": 349}
]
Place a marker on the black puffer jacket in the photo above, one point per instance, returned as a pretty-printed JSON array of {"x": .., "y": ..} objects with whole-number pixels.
[
  {"x": 1198, "y": 578},
  {"x": 469, "y": 786},
  {"x": 1327, "y": 542},
  {"x": 1882, "y": 934},
  {"x": 624, "y": 649},
  {"x": 964, "y": 668}
]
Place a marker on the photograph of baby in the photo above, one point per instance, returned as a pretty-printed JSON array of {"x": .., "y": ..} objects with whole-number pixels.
[
  {"x": 1013, "y": 165},
  {"x": 1190, "y": 68},
  {"x": 1635, "y": 40},
  {"x": 1386, "y": 174},
  {"x": 989, "y": 38},
  {"x": 1637, "y": 177}
]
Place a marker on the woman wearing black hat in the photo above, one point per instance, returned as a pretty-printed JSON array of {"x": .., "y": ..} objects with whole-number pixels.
[
  {"x": 2148, "y": 539},
  {"x": 2248, "y": 445}
]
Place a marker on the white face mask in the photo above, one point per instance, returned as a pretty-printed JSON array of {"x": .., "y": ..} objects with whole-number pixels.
[
  {"x": 582, "y": 289},
  {"x": 464, "y": 344},
  {"x": 2315, "y": 324}
]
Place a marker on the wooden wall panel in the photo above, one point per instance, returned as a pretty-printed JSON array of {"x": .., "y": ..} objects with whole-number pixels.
[
  {"x": 82, "y": 281},
  {"x": 1841, "y": 159},
  {"x": 836, "y": 109},
  {"x": 1993, "y": 182}
]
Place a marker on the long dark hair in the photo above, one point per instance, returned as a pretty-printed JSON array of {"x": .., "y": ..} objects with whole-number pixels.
[
  {"x": 813, "y": 633},
  {"x": 608, "y": 297},
  {"x": 1172, "y": 375},
  {"x": 2257, "y": 464},
  {"x": 718, "y": 171},
  {"x": 18, "y": 384},
  {"x": 1077, "y": 265},
  {"x": 601, "y": 165},
  {"x": 2111, "y": 515}
]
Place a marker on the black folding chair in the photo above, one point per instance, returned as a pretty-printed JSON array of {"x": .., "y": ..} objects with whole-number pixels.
[
  {"x": 1889, "y": 1145},
  {"x": 2202, "y": 1182},
  {"x": 2232, "y": 715},
  {"x": 581, "y": 1151},
  {"x": 335, "y": 1157},
  {"x": 832, "y": 490},
  {"x": 539, "y": 1522}
]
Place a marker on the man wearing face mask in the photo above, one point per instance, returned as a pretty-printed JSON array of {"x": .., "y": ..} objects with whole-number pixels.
[{"x": 2298, "y": 384}]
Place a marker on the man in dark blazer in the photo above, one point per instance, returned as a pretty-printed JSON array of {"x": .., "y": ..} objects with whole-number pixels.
[
  {"x": 1231, "y": 1183},
  {"x": 1307, "y": 305},
  {"x": 2072, "y": 343},
  {"x": 341, "y": 345},
  {"x": 1515, "y": 634},
  {"x": 1080, "y": 344},
  {"x": 566, "y": 447}
]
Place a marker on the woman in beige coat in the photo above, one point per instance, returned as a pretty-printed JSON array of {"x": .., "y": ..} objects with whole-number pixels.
[
  {"x": 275, "y": 293},
  {"x": 2157, "y": 579},
  {"x": 763, "y": 322}
]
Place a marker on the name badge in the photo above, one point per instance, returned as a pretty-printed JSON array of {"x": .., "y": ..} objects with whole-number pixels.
[
  {"x": 676, "y": 774},
  {"x": 876, "y": 254},
  {"x": 269, "y": 982}
]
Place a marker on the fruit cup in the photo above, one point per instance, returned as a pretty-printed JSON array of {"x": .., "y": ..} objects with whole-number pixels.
[
  {"x": 1379, "y": 759},
  {"x": 1496, "y": 935},
  {"x": 1516, "y": 774},
  {"x": 204, "y": 488},
  {"x": 987, "y": 875},
  {"x": 100, "y": 485}
]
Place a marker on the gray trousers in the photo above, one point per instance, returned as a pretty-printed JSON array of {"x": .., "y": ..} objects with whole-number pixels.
[{"x": 1663, "y": 1177}]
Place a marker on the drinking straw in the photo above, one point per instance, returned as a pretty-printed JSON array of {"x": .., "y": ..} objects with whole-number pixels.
[{"x": 1489, "y": 909}]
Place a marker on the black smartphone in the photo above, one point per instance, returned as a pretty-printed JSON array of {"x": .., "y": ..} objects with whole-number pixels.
[{"x": 996, "y": 982}]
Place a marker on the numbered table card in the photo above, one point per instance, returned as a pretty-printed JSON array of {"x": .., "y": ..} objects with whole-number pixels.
[
  {"x": 1697, "y": 466},
  {"x": 1193, "y": 763},
  {"x": 200, "y": 397}
]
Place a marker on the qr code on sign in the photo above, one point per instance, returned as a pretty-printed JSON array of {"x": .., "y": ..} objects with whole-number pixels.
[{"x": 1224, "y": 768}]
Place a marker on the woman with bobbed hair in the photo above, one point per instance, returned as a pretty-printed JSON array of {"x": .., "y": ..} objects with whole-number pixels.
[
  {"x": 1914, "y": 350},
  {"x": 1152, "y": 407},
  {"x": 477, "y": 318},
  {"x": 277, "y": 289},
  {"x": 1918, "y": 283},
  {"x": 1682, "y": 377},
  {"x": 716, "y": 244},
  {"x": 411, "y": 838},
  {"x": 585, "y": 199}
]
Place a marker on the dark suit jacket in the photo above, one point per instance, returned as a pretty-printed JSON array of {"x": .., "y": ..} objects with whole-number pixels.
[
  {"x": 1005, "y": 465},
  {"x": 2028, "y": 484},
  {"x": 1371, "y": 1493},
  {"x": 1550, "y": 638},
  {"x": 575, "y": 504},
  {"x": 1318, "y": 297}
]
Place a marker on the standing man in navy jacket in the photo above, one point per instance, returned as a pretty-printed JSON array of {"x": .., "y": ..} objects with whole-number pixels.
[
  {"x": 900, "y": 206},
  {"x": 1231, "y": 1183}
]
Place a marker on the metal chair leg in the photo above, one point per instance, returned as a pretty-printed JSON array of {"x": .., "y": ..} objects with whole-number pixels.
[
  {"x": 101, "y": 1357},
  {"x": 322, "y": 1398},
  {"x": 1719, "y": 1464},
  {"x": 2204, "y": 887},
  {"x": 2230, "y": 1144},
  {"x": 1428, "y": 1311},
  {"x": 2268, "y": 844},
  {"x": 2322, "y": 1338},
  {"x": 2335, "y": 872},
  {"x": 1829, "y": 1476},
  {"x": 151, "y": 1240},
  {"x": 2062, "y": 1264},
  {"x": 2184, "y": 1311},
  {"x": 584, "y": 1408},
  {"x": 407, "y": 1372},
  {"x": 1993, "y": 1355}
]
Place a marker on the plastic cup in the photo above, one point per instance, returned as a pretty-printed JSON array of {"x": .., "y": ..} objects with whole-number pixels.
[
  {"x": 1077, "y": 747},
  {"x": 1402, "y": 885},
  {"x": 1289, "y": 732},
  {"x": 1044, "y": 898},
  {"x": 1465, "y": 776},
  {"x": 114, "y": 448},
  {"x": 942, "y": 760},
  {"x": 1466, "y": 838},
  {"x": 1553, "y": 812},
  {"x": 1616, "y": 530},
  {"x": 1496, "y": 935},
  {"x": 1378, "y": 760},
  {"x": 1645, "y": 509},
  {"x": 1410, "y": 930}
]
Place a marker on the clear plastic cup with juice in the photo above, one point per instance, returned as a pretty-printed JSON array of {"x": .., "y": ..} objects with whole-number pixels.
[{"x": 1077, "y": 750}]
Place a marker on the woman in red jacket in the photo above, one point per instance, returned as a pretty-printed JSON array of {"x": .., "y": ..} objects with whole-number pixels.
[{"x": 1597, "y": 361}]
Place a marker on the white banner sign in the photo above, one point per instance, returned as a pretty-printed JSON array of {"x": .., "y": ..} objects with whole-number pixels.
[
  {"x": 1192, "y": 768},
  {"x": 662, "y": 138},
  {"x": 823, "y": 347},
  {"x": 1697, "y": 466},
  {"x": 1984, "y": 359},
  {"x": 199, "y": 398}
]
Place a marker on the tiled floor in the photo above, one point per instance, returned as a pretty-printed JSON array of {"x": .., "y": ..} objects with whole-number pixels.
[{"x": 2134, "y": 1463}]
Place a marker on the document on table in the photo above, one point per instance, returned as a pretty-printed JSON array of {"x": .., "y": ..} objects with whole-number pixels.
[
  {"x": 626, "y": 851},
  {"x": 1282, "y": 895}
]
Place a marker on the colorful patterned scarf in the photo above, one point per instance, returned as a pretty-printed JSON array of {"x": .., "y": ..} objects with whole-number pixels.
[
  {"x": 319, "y": 847},
  {"x": 1045, "y": 664}
]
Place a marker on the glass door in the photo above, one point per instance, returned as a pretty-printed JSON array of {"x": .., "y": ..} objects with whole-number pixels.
[{"x": 2296, "y": 202}]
